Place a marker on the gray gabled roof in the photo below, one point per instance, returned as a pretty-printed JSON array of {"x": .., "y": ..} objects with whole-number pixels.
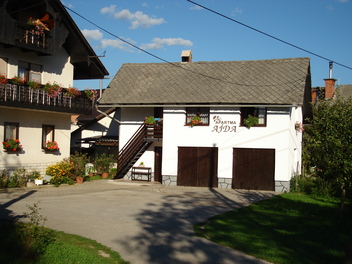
[
  {"x": 344, "y": 91},
  {"x": 276, "y": 81}
]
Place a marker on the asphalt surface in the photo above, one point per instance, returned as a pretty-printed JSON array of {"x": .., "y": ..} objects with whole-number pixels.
[{"x": 146, "y": 223}]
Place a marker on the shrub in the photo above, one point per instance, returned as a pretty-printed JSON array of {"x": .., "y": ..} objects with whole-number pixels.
[
  {"x": 18, "y": 179},
  {"x": 34, "y": 237},
  {"x": 3, "y": 179},
  {"x": 61, "y": 172},
  {"x": 79, "y": 162}
]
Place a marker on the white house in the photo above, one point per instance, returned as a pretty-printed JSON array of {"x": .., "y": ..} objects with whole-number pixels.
[
  {"x": 40, "y": 42},
  {"x": 220, "y": 151}
]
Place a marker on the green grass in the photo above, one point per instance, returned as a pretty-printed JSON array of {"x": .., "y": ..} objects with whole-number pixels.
[
  {"x": 286, "y": 229},
  {"x": 66, "y": 249}
]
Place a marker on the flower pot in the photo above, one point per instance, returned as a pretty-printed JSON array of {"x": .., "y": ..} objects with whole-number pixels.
[
  {"x": 79, "y": 180},
  {"x": 38, "y": 182},
  {"x": 105, "y": 175}
]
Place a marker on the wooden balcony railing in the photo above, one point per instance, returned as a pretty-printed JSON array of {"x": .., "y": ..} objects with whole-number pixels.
[
  {"x": 28, "y": 35},
  {"x": 22, "y": 96}
]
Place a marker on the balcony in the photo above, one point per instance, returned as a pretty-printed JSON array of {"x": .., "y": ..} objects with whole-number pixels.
[
  {"x": 28, "y": 37},
  {"x": 22, "y": 96}
]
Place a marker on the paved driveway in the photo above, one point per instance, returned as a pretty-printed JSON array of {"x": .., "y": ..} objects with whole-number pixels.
[{"x": 145, "y": 223}]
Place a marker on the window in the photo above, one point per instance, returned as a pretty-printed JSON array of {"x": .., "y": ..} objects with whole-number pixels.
[
  {"x": 11, "y": 130},
  {"x": 48, "y": 134},
  {"x": 3, "y": 66},
  {"x": 202, "y": 112},
  {"x": 259, "y": 112},
  {"x": 30, "y": 71}
]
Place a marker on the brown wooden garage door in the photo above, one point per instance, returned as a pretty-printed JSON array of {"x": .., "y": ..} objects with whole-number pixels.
[
  {"x": 253, "y": 169},
  {"x": 197, "y": 166}
]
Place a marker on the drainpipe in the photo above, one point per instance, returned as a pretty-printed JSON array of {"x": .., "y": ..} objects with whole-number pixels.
[{"x": 96, "y": 103}]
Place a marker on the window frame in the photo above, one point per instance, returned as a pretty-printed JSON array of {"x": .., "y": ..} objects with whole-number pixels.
[
  {"x": 16, "y": 129},
  {"x": 192, "y": 111},
  {"x": 26, "y": 70},
  {"x": 46, "y": 134},
  {"x": 253, "y": 111}
]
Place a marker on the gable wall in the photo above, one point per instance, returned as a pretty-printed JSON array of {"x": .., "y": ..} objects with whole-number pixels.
[{"x": 55, "y": 68}]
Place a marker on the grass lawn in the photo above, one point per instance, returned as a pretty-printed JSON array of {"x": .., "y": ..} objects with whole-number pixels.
[
  {"x": 289, "y": 228},
  {"x": 66, "y": 249}
]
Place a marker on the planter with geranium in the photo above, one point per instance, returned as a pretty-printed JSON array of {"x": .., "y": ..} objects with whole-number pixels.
[
  {"x": 17, "y": 80},
  {"x": 3, "y": 78},
  {"x": 52, "y": 146},
  {"x": 52, "y": 90},
  {"x": 12, "y": 144},
  {"x": 103, "y": 164},
  {"x": 195, "y": 120},
  {"x": 91, "y": 94},
  {"x": 150, "y": 120},
  {"x": 71, "y": 92}
]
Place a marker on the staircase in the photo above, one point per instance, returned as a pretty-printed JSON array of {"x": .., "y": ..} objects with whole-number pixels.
[{"x": 136, "y": 146}]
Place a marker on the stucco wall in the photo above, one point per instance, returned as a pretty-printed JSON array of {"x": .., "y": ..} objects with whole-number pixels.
[
  {"x": 30, "y": 136},
  {"x": 279, "y": 134},
  {"x": 55, "y": 68}
]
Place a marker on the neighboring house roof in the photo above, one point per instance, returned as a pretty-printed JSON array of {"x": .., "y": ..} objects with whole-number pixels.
[
  {"x": 345, "y": 91},
  {"x": 93, "y": 120},
  {"x": 86, "y": 63},
  {"x": 276, "y": 81}
]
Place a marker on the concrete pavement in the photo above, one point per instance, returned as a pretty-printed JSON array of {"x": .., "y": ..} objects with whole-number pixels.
[{"x": 145, "y": 222}]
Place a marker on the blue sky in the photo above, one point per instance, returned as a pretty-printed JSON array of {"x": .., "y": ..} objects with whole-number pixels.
[{"x": 166, "y": 27}]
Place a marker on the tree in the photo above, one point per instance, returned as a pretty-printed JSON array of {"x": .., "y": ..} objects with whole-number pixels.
[{"x": 328, "y": 143}]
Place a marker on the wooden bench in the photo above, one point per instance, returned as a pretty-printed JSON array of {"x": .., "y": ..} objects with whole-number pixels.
[{"x": 139, "y": 172}]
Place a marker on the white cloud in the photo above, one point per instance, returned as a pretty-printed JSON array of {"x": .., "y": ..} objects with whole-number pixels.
[
  {"x": 137, "y": 19},
  {"x": 329, "y": 7},
  {"x": 343, "y": 1},
  {"x": 236, "y": 11},
  {"x": 116, "y": 43},
  {"x": 196, "y": 7},
  {"x": 158, "y": 43},
  {"x": 94, "y": 34}
]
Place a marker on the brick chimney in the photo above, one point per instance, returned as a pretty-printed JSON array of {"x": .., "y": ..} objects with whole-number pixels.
[
  {"x": 186, "y": 56},
  {"x": 329, "y": 88}
]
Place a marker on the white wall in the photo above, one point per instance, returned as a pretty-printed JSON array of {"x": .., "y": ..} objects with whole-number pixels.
[
  {"x": 279, "y": 134},
  {"x": 30, "y": 136},
  {"x": 55, "y": 68}
]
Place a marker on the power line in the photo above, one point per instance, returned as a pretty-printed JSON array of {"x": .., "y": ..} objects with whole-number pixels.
[
  {"x": 268, "y": 35},
  {"x": 159, "y": 58}
]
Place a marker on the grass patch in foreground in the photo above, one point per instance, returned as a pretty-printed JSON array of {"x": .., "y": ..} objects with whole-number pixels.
[
  {"x": 286, "y": 229},
  {"x": 66, "y": 249}
]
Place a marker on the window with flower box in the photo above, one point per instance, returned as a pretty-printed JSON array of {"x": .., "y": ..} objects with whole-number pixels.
[
  {"x": 259, "y": 112},
  {"x": 11, "y": 130},
  {"x": 48, "y": 134},
  {"x": 201, "y": 112}
]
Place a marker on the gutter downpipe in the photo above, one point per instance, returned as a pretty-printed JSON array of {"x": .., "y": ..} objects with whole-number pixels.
[{"x": 96, "y": 103}]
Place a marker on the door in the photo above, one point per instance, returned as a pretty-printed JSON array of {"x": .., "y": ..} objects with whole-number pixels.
[
  {"x": 253, "y": 169},
  {"x": 197, "y": 166},
  {"x": 157, "y": 164}
]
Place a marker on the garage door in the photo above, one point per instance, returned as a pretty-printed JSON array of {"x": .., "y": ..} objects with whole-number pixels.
[
  {"x": 253, "y": 169},
  {"x": 197, "y": 166}
]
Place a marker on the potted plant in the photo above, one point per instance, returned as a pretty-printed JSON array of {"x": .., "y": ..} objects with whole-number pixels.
[
  {"x": 51, "y": 146},
  {"x": 38, "y": 181},
  {"x": 17, "y": 80},
  {"x": 103, "y": 163},
  {"x": 91, "y": 94},
  {"x": 12, "y": 144},
  {"x": 79, "y": 162},
  {"x": 251, "y": 121},
  {"x": 195, "y": 120},
  {"x": 33, "y": 84},
  {"x": 52, "y": 90},
  {"x": 3, "y": 78},
  {"x": 150, "y": 120},
  {"x": 71, "y": 92}
]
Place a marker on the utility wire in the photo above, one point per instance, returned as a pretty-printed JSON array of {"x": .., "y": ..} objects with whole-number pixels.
[
  {"x": 268, "y": 35},
  {"x": 170, "y": 63}
]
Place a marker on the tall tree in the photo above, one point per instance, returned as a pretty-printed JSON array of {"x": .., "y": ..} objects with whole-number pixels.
[{"x": 328, "y": 142}]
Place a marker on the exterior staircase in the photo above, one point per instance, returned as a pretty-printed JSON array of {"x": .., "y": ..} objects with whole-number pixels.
[{"x": 136, "y": 146}]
